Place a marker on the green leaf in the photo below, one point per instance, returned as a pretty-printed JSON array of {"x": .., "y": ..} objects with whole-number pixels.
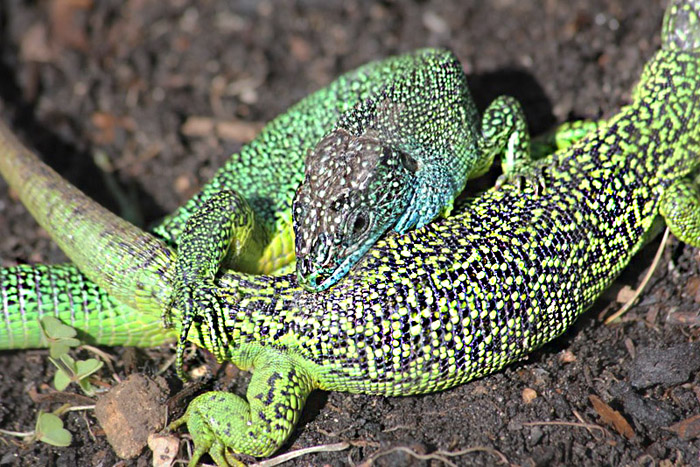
[
  {"x": 84, "y": 368},
  {"x": 69, "y": 362},
  {"x": 61, "y": 337},
  {"x": 58, "y": 349},
  {"x": 61, "y": 380},
  {"x": 55, "y": 329},
  {"x": 49, "y": 429},
  {"x": 86, "y": 387}
]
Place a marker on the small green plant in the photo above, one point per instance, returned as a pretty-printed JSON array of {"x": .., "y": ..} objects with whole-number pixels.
[
  {"x": 60, "y": 336},
  {"x": 72, "y": 371},
  {"x": 48, "y": 429},
  {"x": 61, "y": 339}
]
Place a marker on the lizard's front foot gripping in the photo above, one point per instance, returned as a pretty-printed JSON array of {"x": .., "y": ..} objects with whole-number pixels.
[
  {"x": 222, "y": 224},
  {"x": 197, "y": 303}
]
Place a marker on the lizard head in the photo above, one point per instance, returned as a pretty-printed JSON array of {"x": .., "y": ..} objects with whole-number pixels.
[{"x": 355, "y": 189}]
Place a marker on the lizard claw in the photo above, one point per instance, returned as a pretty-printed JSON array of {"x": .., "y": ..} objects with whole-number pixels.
[{"x": 198, "y": 304}]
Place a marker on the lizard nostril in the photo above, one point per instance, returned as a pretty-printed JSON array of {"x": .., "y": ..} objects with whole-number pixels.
[{"x": 304, "y": 265}]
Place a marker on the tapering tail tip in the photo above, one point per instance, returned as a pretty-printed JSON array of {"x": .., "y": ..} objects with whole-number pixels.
[{"x": 681, "y": 28}]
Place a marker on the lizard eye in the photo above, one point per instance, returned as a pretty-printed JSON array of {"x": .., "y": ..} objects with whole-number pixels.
[{"x": 359, "y": 225}]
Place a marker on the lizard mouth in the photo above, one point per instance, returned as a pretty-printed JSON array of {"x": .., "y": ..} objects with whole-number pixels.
[
  {"x": 313, "y": 276},
  {"x": 314, "y": 281},
  {"x": 315, "y": 270}
]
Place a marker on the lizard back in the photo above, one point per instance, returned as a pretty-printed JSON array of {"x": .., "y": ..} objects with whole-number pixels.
[{"x": 467, "y": 295}]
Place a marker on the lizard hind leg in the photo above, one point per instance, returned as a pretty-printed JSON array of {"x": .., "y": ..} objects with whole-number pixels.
[
  {"x": 219, "y": 421},
  {"x": 680, "y": 207}
]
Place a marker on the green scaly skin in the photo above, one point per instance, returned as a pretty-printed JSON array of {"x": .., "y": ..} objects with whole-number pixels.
[
  {"x": 417, "y": 104},
  {"x": 283, "y": 143},
  {"x": 465, "y": 295},
  {"x": 357, "y": 188},
  {"x": 28, "y": 293},
  {"x": 350, "y": 101}
]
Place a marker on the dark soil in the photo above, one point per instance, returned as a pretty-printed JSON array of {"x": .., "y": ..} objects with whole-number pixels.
[{"x": 126, "y": 79}]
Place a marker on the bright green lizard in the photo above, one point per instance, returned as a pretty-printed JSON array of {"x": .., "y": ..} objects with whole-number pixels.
[
  {"x": 425, "y": 311},
  {"x": 416, "y": 107},
  {"x": 426, "y": 87}
]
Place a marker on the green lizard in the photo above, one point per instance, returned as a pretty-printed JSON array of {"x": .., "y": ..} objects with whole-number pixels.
[
  {"x": 269, "y": 246},
  {"x": 425, "y": 126},
  {"x": 436, "y": 307},
  {"x": 416, "y": 105}
]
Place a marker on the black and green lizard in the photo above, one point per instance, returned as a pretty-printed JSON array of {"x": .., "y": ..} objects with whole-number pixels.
[
  {"x": 424, "y": 126},
  {"x": 457, "y": 299},
  {"x": 415, "y": 109}
]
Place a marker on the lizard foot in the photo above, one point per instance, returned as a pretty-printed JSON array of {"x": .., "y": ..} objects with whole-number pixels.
[
  {"x": 198, "y": 304},
  {"x": 222, "y": 423}
]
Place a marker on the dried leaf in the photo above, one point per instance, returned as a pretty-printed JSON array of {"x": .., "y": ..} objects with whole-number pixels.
[
  {"x": 652, "y": 314},
  {"x": 198, "y": 126},
  {"x": 236, "y": 130},
  {"x": 567, "y": 357},
  {"x": 625, "y": 294},
  {"x": 612, "y": 417},
  {"x": 687, "y": 429},
  {"x": 684, "y": 318}
]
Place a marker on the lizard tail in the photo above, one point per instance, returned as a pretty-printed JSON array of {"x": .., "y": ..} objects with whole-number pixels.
[
  {"x": 32, "y": 292},
  {"x": 131, "y": 265},
  {"x": 681, "y": 27}
]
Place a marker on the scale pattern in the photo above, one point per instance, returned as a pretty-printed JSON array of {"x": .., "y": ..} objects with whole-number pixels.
[
  {"x": 396, "y": 163},
  {"x": 267, "y": 171},
  {"x": 28, "y": 293},
  {"x": 436, "y": 307},
  {"x": 468, "y": 294}
]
